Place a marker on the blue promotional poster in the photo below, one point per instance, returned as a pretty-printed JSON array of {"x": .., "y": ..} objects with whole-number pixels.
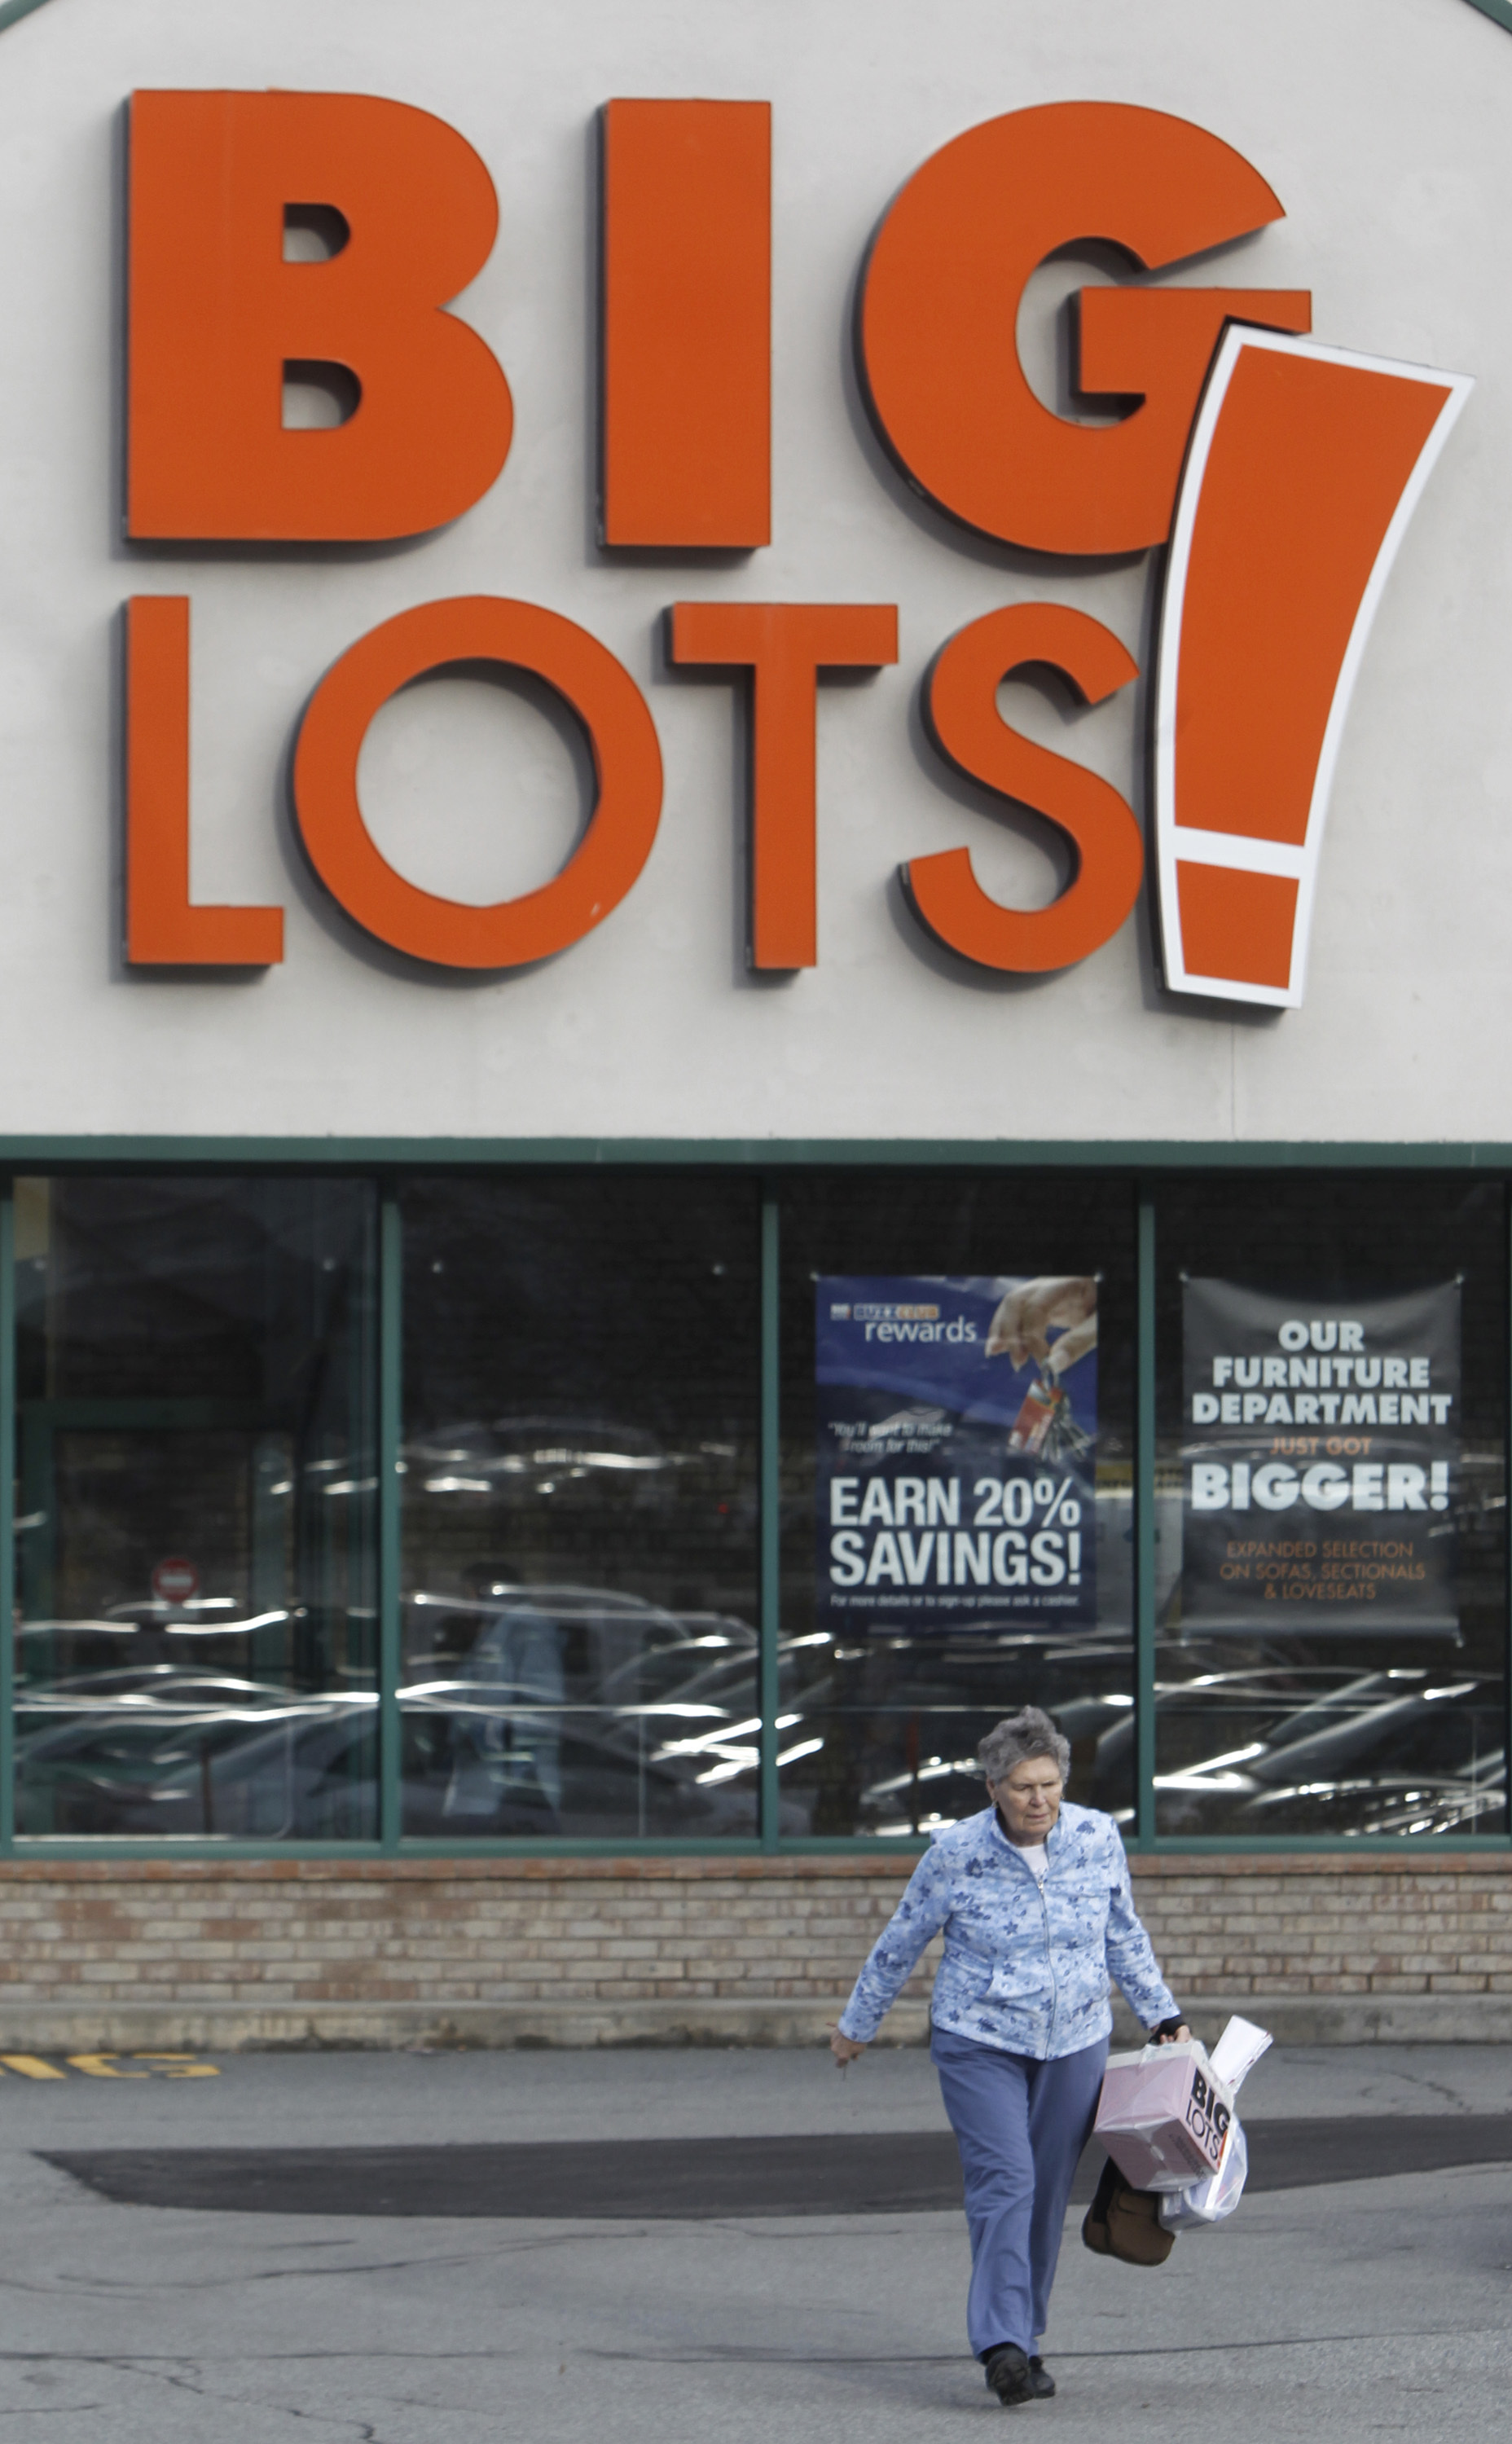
[{"x": 957, "y": 1445}]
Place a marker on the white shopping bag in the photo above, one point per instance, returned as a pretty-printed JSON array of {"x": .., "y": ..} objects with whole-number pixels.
[
  {"x": 1213, "y": 2200},
  {"x": 1209, "y": 2202}
]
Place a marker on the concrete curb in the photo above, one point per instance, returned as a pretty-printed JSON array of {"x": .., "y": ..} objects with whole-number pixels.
[
  {"x": 85, "y": 2027},
  {"x": 1362, "y": 2019},
  {"x": 232, "y": 2027}
]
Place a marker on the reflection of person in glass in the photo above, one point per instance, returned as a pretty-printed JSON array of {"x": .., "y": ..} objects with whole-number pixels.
[
  {"x": 1034, "y": 1899},
  {"x": 1019, "y": 1330},
  {"x": 507, "y": 1738}
]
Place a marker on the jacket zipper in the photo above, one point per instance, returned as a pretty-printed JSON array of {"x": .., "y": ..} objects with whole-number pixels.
[
  {"x": 1049, "y": 1952},
  {"x": 1049, "y": 1948}
]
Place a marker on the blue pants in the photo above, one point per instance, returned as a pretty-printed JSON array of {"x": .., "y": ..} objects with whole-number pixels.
[{"x": 1021, "y": 2126}]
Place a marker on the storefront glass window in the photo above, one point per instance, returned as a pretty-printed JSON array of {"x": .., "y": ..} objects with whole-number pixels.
[
  {"x": 1331, "y": 1581},
  {"x": 580, "y": 1424},
  {"x": 197, "y": 1631},
  {"x": 957, "y": 1480},
  {"x": 198, "y": 1615}
]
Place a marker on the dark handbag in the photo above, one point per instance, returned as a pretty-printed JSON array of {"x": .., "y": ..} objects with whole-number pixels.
[{"x": 1125, "y": 2223}]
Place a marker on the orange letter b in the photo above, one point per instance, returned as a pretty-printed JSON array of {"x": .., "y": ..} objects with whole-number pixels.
[{"x": 218, "y": 316}]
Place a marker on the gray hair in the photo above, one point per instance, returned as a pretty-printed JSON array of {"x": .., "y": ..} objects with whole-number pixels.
[{"x": 1028, "y": 1734}]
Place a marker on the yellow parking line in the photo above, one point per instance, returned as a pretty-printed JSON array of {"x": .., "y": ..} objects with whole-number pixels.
[{"x": 101, "y": 2066}]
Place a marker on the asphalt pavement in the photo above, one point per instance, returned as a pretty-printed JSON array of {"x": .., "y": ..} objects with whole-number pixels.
[{"x": 1377, "y": 2301}]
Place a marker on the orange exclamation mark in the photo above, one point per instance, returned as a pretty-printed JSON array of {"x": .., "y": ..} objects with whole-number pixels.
[{"x": 1306, "y": 465}]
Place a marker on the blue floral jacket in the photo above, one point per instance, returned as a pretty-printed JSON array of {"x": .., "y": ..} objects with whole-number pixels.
[{"x": 1024, "y": 1970}]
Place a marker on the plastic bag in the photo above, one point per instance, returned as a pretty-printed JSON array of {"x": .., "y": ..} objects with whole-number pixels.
[
  {"x": 1213, "y": 2200},
  {"x": 1210, "y": 2201}
]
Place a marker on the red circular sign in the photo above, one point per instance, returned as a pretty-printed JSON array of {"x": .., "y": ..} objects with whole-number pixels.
[{"x": 174, "y": 1579}]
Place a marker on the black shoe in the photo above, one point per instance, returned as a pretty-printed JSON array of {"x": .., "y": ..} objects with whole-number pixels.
[
  {"x": 1042, "y": 2383},
  {"x": 1008, "y": 2376}
]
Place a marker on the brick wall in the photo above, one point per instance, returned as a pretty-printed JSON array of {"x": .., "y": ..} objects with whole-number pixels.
[
  {"x": 501, "y": 1951},
  {"x": 1331, "y": 1927}
]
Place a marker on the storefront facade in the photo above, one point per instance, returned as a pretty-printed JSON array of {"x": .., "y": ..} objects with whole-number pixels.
[{"x": 584, "y": 1302}]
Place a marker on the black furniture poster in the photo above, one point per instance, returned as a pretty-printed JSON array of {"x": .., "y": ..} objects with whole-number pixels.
[{"x": 1319, "y": 1460}]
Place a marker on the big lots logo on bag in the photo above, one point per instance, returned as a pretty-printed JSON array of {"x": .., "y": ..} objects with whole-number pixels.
[
  {"x": 1279, "y": 472},
  {"x": 1207, "y": 2118}
]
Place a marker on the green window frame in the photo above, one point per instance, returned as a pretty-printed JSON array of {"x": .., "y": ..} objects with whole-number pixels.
[{"x": 1144, "y": 1165}]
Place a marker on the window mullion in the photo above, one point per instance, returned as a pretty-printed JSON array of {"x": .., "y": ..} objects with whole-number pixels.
[
  {"x": 390, "y": 1358},
  {"x": 1145, "y": 1518}
]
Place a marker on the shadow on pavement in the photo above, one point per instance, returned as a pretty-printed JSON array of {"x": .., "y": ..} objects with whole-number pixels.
[{"x": 692, "y": 2179}]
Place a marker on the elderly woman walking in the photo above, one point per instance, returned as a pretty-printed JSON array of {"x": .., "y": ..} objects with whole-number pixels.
[{"x": 1033, "y": 1895}]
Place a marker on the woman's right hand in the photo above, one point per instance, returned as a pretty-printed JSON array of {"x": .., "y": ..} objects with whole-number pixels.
[{"x": 844, "y": 2049}]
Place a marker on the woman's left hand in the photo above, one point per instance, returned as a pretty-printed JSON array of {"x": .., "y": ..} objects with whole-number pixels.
[{"x": 1175, "y": 2036}]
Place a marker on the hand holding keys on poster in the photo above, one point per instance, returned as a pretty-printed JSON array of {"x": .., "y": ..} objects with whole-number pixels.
[{"x": 1029, "y": 1312}]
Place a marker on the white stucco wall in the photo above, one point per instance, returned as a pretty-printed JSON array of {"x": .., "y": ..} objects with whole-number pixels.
[{"x": 1381, "y": 124}]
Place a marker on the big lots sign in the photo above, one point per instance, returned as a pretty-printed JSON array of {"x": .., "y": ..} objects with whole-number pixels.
[{"x": 1279, "y": 472}]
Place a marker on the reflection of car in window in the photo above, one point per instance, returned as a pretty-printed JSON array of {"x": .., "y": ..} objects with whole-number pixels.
[
  {"x": 547, "y": 1708},
  {"x": 1322, "y": 1748},
  {"x": 158, "y": 1749},
  {"x": 1400, "y": 1750},
  {"x": 592, "y": 1711}
]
